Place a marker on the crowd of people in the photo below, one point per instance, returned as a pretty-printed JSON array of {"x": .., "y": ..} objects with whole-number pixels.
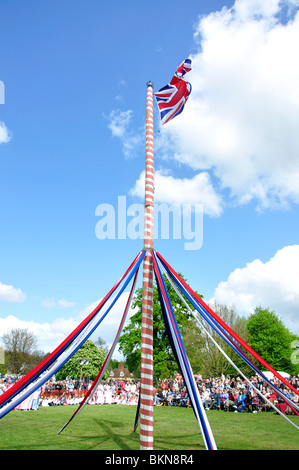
[
  {"x": 230, "y": 394},
  {"x": 221, "y": 393},
  {"x": 69, "y": 392}
]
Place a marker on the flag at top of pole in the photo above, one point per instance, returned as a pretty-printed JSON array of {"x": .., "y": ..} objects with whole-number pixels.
[{"x": 172, "y": 98}]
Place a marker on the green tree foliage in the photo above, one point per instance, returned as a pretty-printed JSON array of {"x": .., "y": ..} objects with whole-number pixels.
[
  {"x": 193, "y": 343},
  {"x": 204, "y": 356},
  {"x": 88, "y": 352},
  {"x": 271, "y": 340},
  {"x": 263, "y": 331},
  {"x": 130, "y": 341}
]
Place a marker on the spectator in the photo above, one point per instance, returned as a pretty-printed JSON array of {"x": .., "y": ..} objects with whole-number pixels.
[
  {"x": 255, "y": 402},
  {"x": 169, "y": 396},
  {"x": 229, "y": 404},
  {"x": 226, "y": 393},
  {"x": 248, "y": 401},
  {"x": 70, "y": 386},
  {"x": 217, "y": 398},
  {"x": 240, "y": 401},
  {"x": 205, "y": 397},
  {"x": 272, "y": 397},
  {"x": 158, "y": 398},
  {"x": 185, "y": 401}
]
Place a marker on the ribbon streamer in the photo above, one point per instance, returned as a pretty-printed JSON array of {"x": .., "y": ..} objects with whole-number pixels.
[
  {"x": 183, "y": 362},
  {"x": 226, "y": 327},
  {"x": 98, "y": 378},
  {"x": 40, "y": 374},
  {"x": 225, "y": 355}
]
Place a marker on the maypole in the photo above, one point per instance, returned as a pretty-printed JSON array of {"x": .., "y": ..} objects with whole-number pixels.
[{"x": 146, "y": 382}]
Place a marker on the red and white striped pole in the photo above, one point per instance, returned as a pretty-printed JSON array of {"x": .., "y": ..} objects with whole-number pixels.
[{"x": 146, "y": 385}]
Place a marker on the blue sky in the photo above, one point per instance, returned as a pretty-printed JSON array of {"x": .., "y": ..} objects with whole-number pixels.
[{"x": 72, "y": 138}]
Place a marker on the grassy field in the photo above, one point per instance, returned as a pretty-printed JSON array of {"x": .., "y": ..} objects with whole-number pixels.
[{"x": 111, "y": 428}]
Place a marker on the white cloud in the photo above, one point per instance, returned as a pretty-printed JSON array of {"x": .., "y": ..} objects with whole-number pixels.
[
  {"x": 108, "y": 328},
  {"x": 273, "y": 284},
  {"x": 241, "y": 121},
  {"x": 49, "y": 303},
  {"x": 5, "y": 135},
  {"x": 52, "y": 303},
  {"x": 66, "y": 303},
  {"x": 50, "y": 335},
  {"x": 171, "y": 190},
  {"x": 119, "y": 122},
  {"x": 255, "y": 8},
  {"x": 11, "y": 294}
]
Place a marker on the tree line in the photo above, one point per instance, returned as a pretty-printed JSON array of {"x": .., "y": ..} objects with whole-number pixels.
[{"x": 263, "y": 330}]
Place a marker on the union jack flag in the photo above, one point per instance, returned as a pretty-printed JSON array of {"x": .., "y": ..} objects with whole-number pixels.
[{"x": 172, "y": 98}]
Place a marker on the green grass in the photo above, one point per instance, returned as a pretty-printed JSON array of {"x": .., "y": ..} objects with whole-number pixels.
[{"x": 111, "y": 428}]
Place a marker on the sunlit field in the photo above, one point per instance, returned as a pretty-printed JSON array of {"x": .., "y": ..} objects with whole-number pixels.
[{"x": 111, "y": 428}]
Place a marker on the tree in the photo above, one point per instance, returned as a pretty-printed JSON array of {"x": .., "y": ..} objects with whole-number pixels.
[
  {"x": 89, "y": 353},
  {"x": 209, "y": 360},
  {"x": 130, "y": 341},
  {"x": 101, "y": 344},
  {"x": 21, "y": 349},
  {"x": 194, "y": 345},
  {"x": 271, "y": 340}
]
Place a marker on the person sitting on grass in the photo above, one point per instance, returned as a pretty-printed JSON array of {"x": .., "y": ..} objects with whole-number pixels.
[
  {"x": 248, "y": 401},
  {"x": 158, "y": 399},
  {"x": 255, "y": 402},
  {"x": 185, "y": 401},
  {"x": 240, "y": 401},
  {"x": 229, "y": 404},
  {"x": 206, "y": 398}
]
